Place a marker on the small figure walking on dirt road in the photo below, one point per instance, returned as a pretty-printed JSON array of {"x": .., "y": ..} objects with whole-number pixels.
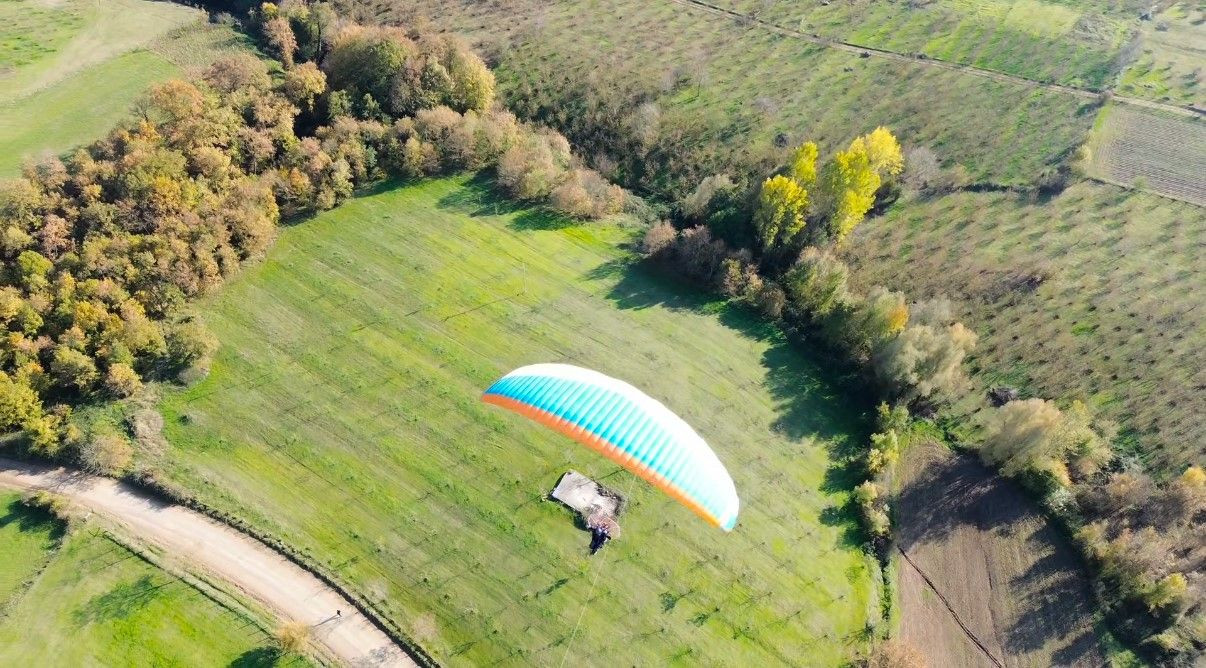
[{"x": 339, "y": 613}]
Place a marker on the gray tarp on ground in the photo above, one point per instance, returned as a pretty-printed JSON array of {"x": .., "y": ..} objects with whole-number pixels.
[{"x": 585, "y": 495}]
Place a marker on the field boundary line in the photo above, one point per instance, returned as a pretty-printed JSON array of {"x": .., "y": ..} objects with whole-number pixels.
[
  {"x": 967, "y": 631},
  {"x": 974, "y": 70}
]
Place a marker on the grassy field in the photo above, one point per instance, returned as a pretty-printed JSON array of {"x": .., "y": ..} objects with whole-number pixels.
[
  {"x": 343, "y": 414},
  {"x": 1071, "y": 43},
  {"x": 1086, "y": 295},
  {"x": 1168, "y": 65},
  {"x": 70, "y": 71},
  {"x": 723, "y": 89},
  {"x": 84, "y": 599},
  {"x": 1151, "y": 152}
]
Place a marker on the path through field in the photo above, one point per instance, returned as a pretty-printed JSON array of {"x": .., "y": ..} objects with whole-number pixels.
[
  {"x": 984, "y": 579},
  {"x": 257, "y": 570}
]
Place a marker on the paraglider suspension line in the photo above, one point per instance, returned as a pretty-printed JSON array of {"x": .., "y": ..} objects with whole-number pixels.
[{"x": 586, "y": 602}]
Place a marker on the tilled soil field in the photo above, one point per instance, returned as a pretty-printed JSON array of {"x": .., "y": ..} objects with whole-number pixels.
[{"x": 984, "y": 579}]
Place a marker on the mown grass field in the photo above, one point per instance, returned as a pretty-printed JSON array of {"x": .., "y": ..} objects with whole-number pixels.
[
  {"x": 70, "y": 71},
  {"x": 1114, "y": 317},
  {"x": 83, "y": 599},
  {"x": 343, "y": 415},
  {"x": 744, "y": 84}
]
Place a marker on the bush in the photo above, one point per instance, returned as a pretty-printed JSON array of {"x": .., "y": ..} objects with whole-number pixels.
[
  {"x": 770, "y": 300},
  {"x": 292, "y": 637},
  {"x": 924, "y": 361},
  {"x": 895, "y": 654},
  {"x": 106, "y": 454},
  {"x": 658, "y": 238}
]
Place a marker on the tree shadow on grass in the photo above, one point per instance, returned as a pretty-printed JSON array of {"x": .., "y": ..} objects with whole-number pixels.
[
  {"x": 120, "y": 602},
  {"x": 480, "y": 197},
  {"x": 260, "y": 657},
  {"x": 29, "y": 520}
]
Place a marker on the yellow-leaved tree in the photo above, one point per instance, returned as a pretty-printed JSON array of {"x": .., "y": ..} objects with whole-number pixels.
[
  {"x": 779, "y": 219},
  {"x": 849, "y": 181},
  {"x": 804, "y": 164}
]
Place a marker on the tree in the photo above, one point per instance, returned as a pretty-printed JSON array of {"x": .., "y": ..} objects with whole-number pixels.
[
  {"x": 19, "y": 404},
  {"x": 72, "y": 368},
  {"x": 658, "y": 238},
  {"x": 472, "y": 81},
  {"x": 848, "y": 182},
  {"x": 804, "y": 164},
  {"x": 816, "y": 285},
  {"x": 121, "y": 380},
  {"x": 779, "y": 218},
  {"x": 883, "y": 152},
  {"x": 190, "y": 343},
  {"x": 303, "y": 84},
  {"x": 1167, "y": 593},
  {"x": 922, "y": 170},
  {"x": 1023, "y": 433},
  {"x": 846, "y": 188}
]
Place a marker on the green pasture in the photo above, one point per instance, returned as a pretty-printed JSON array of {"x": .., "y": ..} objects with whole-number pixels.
[
  {"x": 1168, "y": 57},
  {"x": 722, "y": 88},
  {"x": 82, "y": 599},
  {"x": 71, "y": 71},
  {"x": 1072, "y": 43},
  {"x": 342, "y": 414},
  {"x": 1091, "y": 295}
]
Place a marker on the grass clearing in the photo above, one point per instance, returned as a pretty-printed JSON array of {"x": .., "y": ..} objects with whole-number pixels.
[
  {"x": 343, "y": 414},
  {"x": 1169, "y": 66},
  {"x": 91, "y": 601},
  {"x": 95, "y": 62},
  {"x": 1071, "y": 43},
  {"x": 44, "y": 43},
  {"x": 1111, "y": 321}
]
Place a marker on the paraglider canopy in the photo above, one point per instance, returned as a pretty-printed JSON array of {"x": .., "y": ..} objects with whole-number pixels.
[{"x": 628, "y": 427}]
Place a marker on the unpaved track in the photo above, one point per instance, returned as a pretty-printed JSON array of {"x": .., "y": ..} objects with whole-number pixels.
[
  {"x": 931, "y": 62},
  {"x": 260, "y": 572}
]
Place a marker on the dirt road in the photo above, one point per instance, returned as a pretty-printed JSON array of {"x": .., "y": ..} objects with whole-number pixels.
[{"x": 252, "y": 567}]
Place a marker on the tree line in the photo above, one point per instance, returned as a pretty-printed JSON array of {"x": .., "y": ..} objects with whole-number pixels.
[{"x": 775, "y": 245}]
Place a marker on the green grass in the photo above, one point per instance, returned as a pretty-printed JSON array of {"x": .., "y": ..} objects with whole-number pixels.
[
  {"x": 78, "y": 110},
  {"x": 27, "y": 537},
  {"x": 1112, "y": 323},
  {"x": 1168, "y": 63},
  {"x": 91, "y": 601},
  {"x": 1072, "y": 43},
  {"x": 343, "y": 415},
  {"x": 748, "y": 84},
  {"x": 81, "y": 80},
  {"x": 43, "y": 42}
]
